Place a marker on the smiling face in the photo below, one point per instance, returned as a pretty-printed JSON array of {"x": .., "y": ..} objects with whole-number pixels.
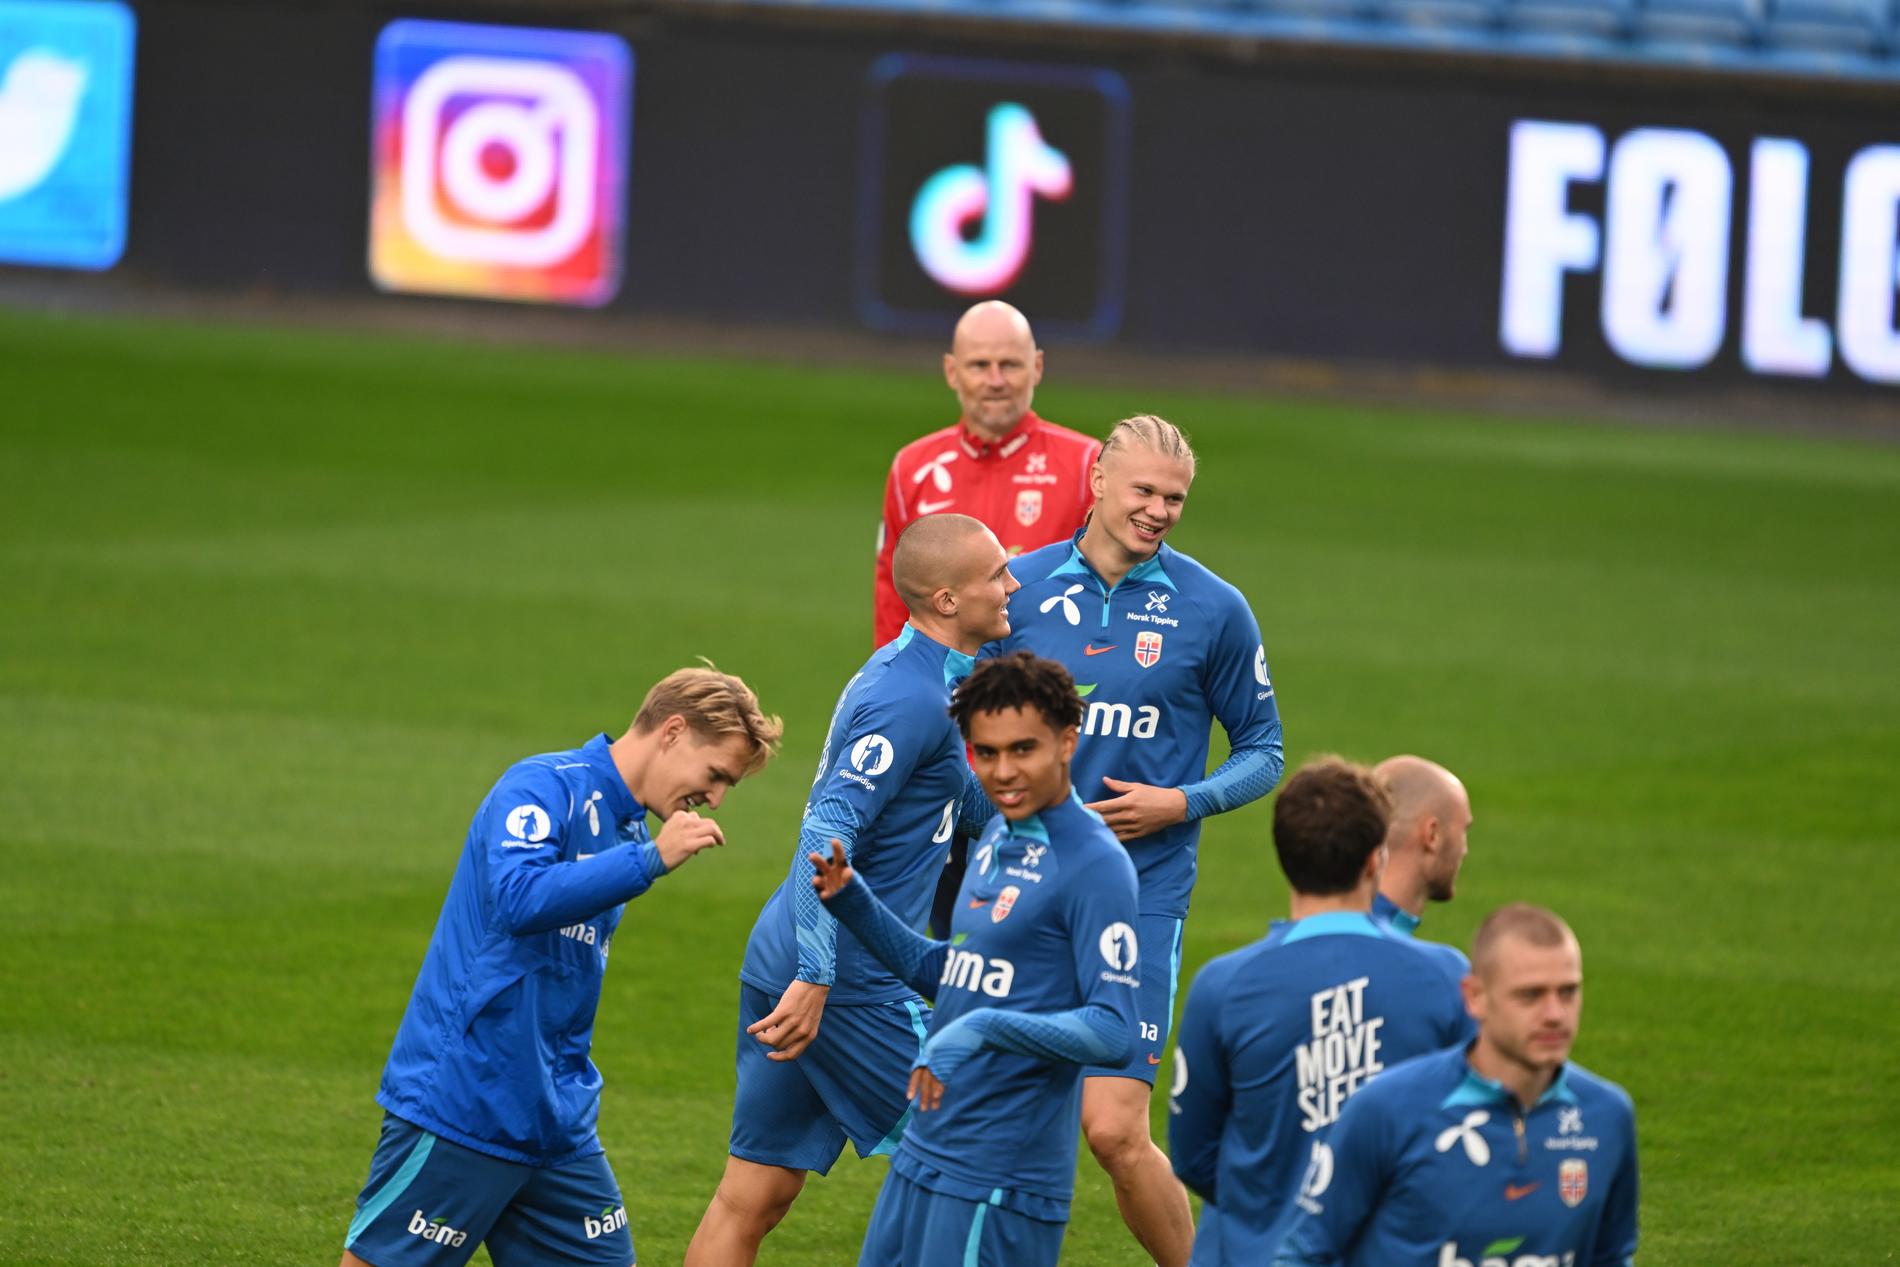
[
  {"x": 982, "y": 594},
  {"x": 690, "y": 770},
  {"x": 1527, "y": 1000},
  {"x": 1020, "y": 759},
  {"x": 1138, "y": 497}
]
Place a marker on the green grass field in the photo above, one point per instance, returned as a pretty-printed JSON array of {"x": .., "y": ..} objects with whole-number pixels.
[{"x": 280, "y": 607}]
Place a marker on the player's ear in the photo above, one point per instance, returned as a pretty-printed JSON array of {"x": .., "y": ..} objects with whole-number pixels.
[
  {"x": 1036, "y": 378},
  {"x": 950, "y": 370},
  {"x": 945, "y": 601},
  {"x": 1473, "y": 990},
  {"x": 1065, "y": 744}
]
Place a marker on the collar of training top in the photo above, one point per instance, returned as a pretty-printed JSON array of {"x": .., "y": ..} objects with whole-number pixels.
[
  {"x": 978, "y": 446},
  {"x": 597, "y": 752}
]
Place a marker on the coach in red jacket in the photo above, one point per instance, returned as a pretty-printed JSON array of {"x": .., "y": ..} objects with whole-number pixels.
[{"x": 1026, "y": 479}]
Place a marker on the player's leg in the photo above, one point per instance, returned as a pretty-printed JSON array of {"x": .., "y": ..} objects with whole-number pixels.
[
  {"x": 1152, "y": 1201},
  {"x": 565, "y": 1216},
  {"x": 860, "y": 1067},
  {"x": 428, "y": 1202},
  {"x": 780, "y": 1130}
]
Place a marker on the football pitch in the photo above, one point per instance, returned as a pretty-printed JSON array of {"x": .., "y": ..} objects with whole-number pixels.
[{"x": 280, "y": 606}]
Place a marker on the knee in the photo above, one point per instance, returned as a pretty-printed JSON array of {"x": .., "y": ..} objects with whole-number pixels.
[
  {"x": 1119, "y": 1140},
  {"x": 760, "y": 1202}
]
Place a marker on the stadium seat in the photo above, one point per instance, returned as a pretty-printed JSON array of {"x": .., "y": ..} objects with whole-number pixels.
[
  {"x": 1851, "y": 28},
  {"x": 1452, "y": 18},
  {"x": 1586, "y": 20},
  {"x": 1697, "y": 30}
]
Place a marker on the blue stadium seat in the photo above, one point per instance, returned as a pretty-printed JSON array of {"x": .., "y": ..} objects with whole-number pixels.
[
  {"x": 1851, "y": 28},
  {"x": 1697, "y": 30},
  {"x": 1581, "y": 21},
  {"x": 1447, "y": 21}
]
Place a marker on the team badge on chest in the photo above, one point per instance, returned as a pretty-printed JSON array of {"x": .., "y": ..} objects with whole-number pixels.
[
  {"x": 1028, "y": 506},
  {"x": 1573, "y": 1181},
  {"x": 1005, "y": 903},
  {"x": 1147, "y": 649}
]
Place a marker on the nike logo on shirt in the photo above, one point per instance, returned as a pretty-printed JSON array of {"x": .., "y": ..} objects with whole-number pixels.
[
  {"x": 931, "y": 508},
  {"x": 1098, "y": 650},
  {"x": 1512, "y": 1191}
]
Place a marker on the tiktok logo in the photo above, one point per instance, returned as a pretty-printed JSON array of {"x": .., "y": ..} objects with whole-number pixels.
[
  {"x": 992, "y": 179},
  {"x": 1018, "y": 165}
]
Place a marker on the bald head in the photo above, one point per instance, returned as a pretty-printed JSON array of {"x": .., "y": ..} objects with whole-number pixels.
[
  {"x": 937, "y": 552},
  {"x": 993, "y": 366},
  {"x": 1425, "y": 836},
  {"x": 1518, "y": 923}
]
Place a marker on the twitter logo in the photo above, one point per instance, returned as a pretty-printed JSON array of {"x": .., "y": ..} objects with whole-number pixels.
[{"x": 65, "y": 131}]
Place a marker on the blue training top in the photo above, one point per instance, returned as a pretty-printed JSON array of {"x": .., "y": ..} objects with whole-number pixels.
[
  {"x": 1157, "y": 657},
  {"x": 893, "y": 785},
  {"x": 493, "y": 1051},
  {"x": 1274, "y": 1038},
  {"x": 1396, "y": 919},
  {"x": 1434, "y": 1166},
  {"x": 1038, "y": 979}
]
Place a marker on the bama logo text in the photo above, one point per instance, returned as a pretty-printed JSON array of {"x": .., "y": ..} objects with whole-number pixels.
[
  {"x": 435, "y": 1230},
  {"x": 967, "y": 970},
  {"x": 1497, "y": 1254}
]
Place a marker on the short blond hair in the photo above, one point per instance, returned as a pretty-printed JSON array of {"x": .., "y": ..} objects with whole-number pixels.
[
  {"x": 1151, "y": 432},
  {"x": 1534, "y": 924},
  {"x": 714, "y": 704}
]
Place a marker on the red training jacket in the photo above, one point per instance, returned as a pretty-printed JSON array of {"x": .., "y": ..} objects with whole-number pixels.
[{"x": 1031, "y": 488}]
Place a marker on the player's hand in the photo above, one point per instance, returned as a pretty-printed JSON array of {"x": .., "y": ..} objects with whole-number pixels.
[
  {"x": 830, "y": 875},
  {"x": 1141, "y": 809},
  {"x": 790, "y": 1027},
  {"x": 685, "y": 834},
  {"x": 925, "y": 1089}
]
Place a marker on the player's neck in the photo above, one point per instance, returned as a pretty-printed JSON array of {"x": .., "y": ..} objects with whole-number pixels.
[
  {"x": 1109, "y": 559},
  {"x": 1526, "y": 1082},
  {"x": 630, "y": 753},
  {"x": 1405, "y": 888},
  {"x": 946, "y": 634},
  {"x": 1303, "y": 905}
]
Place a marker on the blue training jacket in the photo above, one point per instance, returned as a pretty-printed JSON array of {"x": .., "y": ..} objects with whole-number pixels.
[
  {"x": 1157, "y": 657},
  {"x": 493, "y": 1051},
  {"x": 1275, "y": 1038},
  {"x": 1434, "y": 1166}
]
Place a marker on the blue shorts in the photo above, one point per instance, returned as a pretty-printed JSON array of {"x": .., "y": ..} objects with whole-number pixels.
[
  {"x": 430, "y": 1202},
  {"x": 851, "y": 1083},
  {"x": 914, "y": 1227},
  {"x": 1158, "y": 942}
]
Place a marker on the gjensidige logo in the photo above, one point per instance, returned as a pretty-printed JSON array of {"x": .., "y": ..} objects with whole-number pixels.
[
  {"x": 992, "y": 180},
  {"x": 500, "y": 161}
]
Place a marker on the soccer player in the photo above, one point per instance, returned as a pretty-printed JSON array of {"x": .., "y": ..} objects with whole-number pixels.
[
  {"x": 1161, "y": 648},
  {"x": 893, "y": 786},
  {"x": 1425, "y": 846},
  {"x": 1276, "y": 1036},
  {"x": 490, "y": 1096},
  {"x": 1025, "y": 478},
  {"x": 1034, "y": 982},
  {"x": 1499, "y": 1153}
]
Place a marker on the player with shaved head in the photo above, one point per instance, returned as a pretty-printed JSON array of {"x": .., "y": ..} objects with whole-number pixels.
[
  {"x": 893, "y": 788},
  {"x": 1500, "y": 1151},
  {"x": 1425, "y": 846}
]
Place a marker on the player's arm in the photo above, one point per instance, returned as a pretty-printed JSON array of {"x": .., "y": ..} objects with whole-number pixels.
[
  {"x": 887, "y": 609},
  {"x": 1240, "y": 689},
  {"x": 974, "y": 810},
  {"x": 1346, "y": 1174},
  {"x": 1101, "y": 1031},
  {"x": 531, "y": 890},
  {"x": 916, "y": 960},
  {"x": 1616, "y": 1234},
  {"x": 1203, "y": 1093}
]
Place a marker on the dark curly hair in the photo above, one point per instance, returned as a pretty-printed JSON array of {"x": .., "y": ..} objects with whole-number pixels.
[
  {"x": 1019, "y": 680},
  {"x": 1328, "y": 819}
]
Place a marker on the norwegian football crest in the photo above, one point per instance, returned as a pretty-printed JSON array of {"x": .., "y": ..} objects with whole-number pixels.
[
  {"x": 1573, "y": 1181},
  {"x": 1005, "y": 902},
  {"x": 1147, "y": 649},
  {"x": 1028, "y": 506}
]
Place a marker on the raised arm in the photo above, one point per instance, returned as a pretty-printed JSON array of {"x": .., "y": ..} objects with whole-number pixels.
[{"x": 916, "y": 960}]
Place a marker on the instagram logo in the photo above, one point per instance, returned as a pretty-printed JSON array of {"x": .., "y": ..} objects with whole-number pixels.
[
  {"x": 499, "y": 162},
  {"x": 992, "y": 179},
  {"x": 1020, "y": 165}
]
